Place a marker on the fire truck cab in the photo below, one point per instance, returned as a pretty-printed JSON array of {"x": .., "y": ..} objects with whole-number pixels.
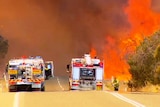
[{"x": 85, "y": 73}]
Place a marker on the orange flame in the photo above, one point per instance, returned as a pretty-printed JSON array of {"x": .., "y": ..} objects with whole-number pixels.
[
  {"x": 93, "y": 53},
  {"x": 143, "y": 21},
  {"x": 115, "y": 64}
]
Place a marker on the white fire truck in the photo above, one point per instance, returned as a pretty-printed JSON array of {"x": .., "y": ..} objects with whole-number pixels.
[
  {"x": 86, "y": 73},
  {"x": 26, "y": 74}
]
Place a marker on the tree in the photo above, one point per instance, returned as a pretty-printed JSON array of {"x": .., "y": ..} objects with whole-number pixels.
[
  {"x": 157, "y": 53},
  {"x": 3, "y": 47},
  {"x": 157, "y": 66},
  {"x": 145, "y": 62}
]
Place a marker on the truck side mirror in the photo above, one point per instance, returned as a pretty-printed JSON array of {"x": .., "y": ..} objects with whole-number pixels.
[{"x": 68, "y": 66}]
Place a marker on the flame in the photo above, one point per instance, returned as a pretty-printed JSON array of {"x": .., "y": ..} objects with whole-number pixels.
[
  {"x": 143, "y": 21},
  {"x": 142, "y": 18},
  {"x": 115, "y": 64},
  {"x": 93, "y": 53}
]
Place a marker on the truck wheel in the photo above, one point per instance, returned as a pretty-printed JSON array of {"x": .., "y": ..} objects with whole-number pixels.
[
  {"x": 46, "y": 78},
  {"x": 43, "y": 88},
  {"x": 12, "y": 88}
]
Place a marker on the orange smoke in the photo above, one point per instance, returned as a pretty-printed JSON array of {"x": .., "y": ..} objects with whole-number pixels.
[{"x": 143, "y": 21}]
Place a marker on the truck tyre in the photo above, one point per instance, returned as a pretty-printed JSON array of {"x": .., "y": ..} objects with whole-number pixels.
[
  {"x": 11, "y": 89},
  {"x": 43, "y": 88}
]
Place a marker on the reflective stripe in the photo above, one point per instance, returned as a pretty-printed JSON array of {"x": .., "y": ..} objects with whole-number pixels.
[{"x": 28, "y": 80}]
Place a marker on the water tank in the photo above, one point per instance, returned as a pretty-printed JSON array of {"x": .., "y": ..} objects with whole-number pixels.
[{"x": 87, "y": 58}]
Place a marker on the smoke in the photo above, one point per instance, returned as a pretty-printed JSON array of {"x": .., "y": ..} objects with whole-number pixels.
[
  {"x": 60, "y": 29},
  {"x": 91, "y": 21},
  {"x": 155, "y": 4}
]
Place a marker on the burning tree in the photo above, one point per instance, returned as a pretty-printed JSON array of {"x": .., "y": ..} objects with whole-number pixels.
[{"x": 145, "y": 62}]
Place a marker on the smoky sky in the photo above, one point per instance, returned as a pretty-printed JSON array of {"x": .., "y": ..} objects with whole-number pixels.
[
  {"x": 60, "y": 29},
  {"x": 155, "y": 4}
]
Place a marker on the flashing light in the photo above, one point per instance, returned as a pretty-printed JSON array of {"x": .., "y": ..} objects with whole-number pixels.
[
  {"x": 12, "y": 82},
  {"x": 77, "y": 64},
  {"x": 89, "y": 65},
  {"x": 101, "y": 64},
  {"x": 37, "y": 82},
  {"x": 75, "y": 84},
  {"x": 24, "y": 57},
  {"x": 99, "y": 83}
]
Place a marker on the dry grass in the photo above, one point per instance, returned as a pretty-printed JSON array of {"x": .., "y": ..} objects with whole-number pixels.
[
  {"x": 151, "y": 88},
  {"x": 124, "y": 88}
]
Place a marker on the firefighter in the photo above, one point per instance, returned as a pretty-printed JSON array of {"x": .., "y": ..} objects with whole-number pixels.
[
  {"x": 46, "y": 72},
  {"x": 115, "y": 84}
]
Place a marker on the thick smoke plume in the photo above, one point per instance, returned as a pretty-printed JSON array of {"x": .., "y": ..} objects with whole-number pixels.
[{"x": 60, "y": 29}]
